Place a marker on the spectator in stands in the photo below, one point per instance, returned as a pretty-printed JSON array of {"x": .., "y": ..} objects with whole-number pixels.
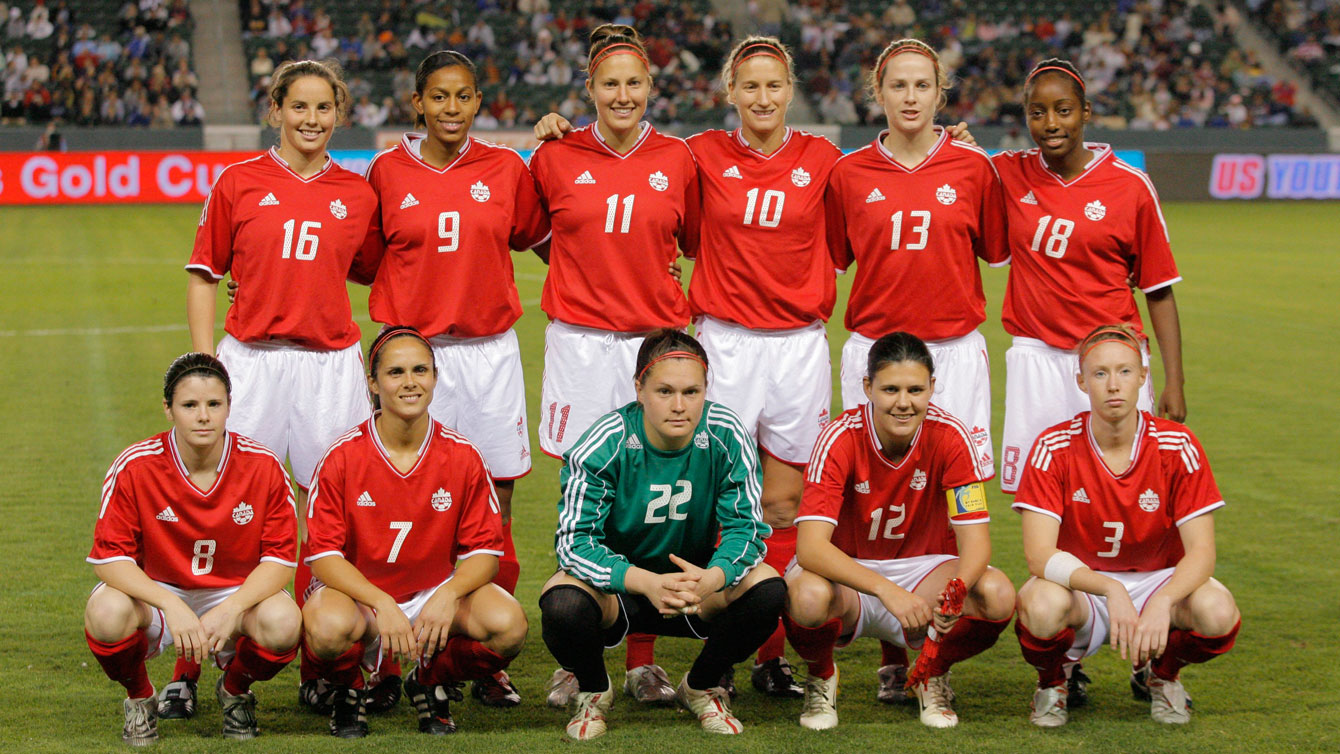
[
  {"x": 837, "y": 107},
  {"x": 187, "y": 111},
  {"x": 113, "y": 110},
  {"x": 14, "y": 27},
  {"x": 12, "y": 111},
  {"x": 138, "y": 46},
  {"x": 39, "y": 21},
  {"x": 481, "y": 38},
  {"x": 262, "y": 65},
  {"x": 254, "y": 20},
  {"x": 277, "y": 24},
  {"x": 177, "y": 49},
  {"x": 184, "y": 77},
  {"x": 324, "y": 44},
  {"x": 161, "y": 116},
  {"x": 36, "y": 72}
]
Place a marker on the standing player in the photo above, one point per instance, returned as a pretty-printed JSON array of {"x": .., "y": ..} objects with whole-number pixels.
[
  {"x": 660, "y": 531},
  {"x": 452, "y": 207},
  {"x": 894, "y": 508},
  {"x": 1119, "y": 538},
  {"x": 194, "y": 544},
  {"x": 915, "y": 210},
  {"x": 405, "y": 535},
  {"x": 1083, "y": 226}
]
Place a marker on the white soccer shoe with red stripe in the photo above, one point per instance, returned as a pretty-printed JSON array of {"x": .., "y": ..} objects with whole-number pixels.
[
  {"x": 591, "y": 707},
  {"x": 711, "y": 707}
]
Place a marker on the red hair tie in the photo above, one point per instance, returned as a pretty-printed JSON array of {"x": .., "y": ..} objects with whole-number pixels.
[
  {"x": 1066, "y": 71},
  {"x": 1114, "y": 335},
  {"x": 671, "y": 355},
  {"x": 619, "y": 48},
  {"x": 879, "y": 75},
  {"x": 764, "y": 49},
  {"x": 391, "y": 334}
]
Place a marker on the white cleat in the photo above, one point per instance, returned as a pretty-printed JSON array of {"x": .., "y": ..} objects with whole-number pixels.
[
  {"x": 820, "y": 707},
  {"x": 141, "y": 727},
  {"x": 588, "y": 719},
  {"x": 936, "y": 700},
  {"x": 649, "y": 684},
  {"x": 1168, "y": 701},
  {"x": 1049, "y": 707},
  {"x": 561, "y": 689},
  {"x": 711, "y": 706}
]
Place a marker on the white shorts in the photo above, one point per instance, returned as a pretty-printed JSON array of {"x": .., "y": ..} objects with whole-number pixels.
[
  {"x": 587, "y": 374},
  {"x": 875, "y": 619},
  {"x": 1040, "y": 390},
  {"x": 1093, "y": 635},
  {"x": 780, "y": 382},
  {"x": 200, "y": 601},
  {"x": 293, "y": 400},
  {"x": 481, "y": 394},
  {"x": 962, "y": 380}
]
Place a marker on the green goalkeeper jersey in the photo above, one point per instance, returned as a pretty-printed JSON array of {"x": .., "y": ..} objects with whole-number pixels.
[{"x": 628, "y": 504}]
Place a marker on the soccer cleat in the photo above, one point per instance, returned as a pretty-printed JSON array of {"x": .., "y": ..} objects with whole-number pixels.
[
  {"x": 1049, "y": 707},
  {"x": 141, "y": 728},
  {"x": 936, "y": 700},
  {"x": 820, "y": 708},
  {"x": 433, "y": 704},
  {"x": 239, "y": 714},
  {"x": 496, "y": 691},
  {"x": 775, "y": 678},
  {"x": 892, "y": 685},
  {"x": 177, "y": 700},
  {"x": 383, "y": 695},
  {"x": 711, "y": 706},
  {"x": 317, "y": 695},
  {"x": 589, "y": 711},
  {"x": 561, "y": 690},
  {"x": 1168, "y": 701},
  {"x": 1140, "y": 685},
  {"x": 649, "y": 684},
  {"x": 348, "y": 715},
  {"x": 1077, "y": 685}
]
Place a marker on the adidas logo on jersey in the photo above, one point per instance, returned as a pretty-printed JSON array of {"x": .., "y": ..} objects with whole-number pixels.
[
  {"x": 633, "y": 443},
  {"x": 585, "y": 178},
  {"x": 1149, "y": 501},
  {"x": 243, "y": 514},
  {"x": 167, "y": 515},
  {"x": 410, "y": 201},
  {"x": 862, "y": 487},
  {"x": 732, "y": 172},
  {"x": 269, "y": 201},
  {"x": 1095, "y": 210},
  {"x": 365, "y": 500},
  {"x": 1080, "y": 496},
  {"x": 1029, "y": 199},
  {"x": 875, "y": 196},
  {"x": 918, "y": 480},
  {"x": 441, "y": 500},
  {"x": 338, "y": 209}
]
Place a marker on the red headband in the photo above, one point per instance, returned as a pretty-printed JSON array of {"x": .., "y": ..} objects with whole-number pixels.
[
  {"x": 1114, "y": 335},
  {"x": 391, "y": 333},
  {"x": 764, "y": 49},
  {"x": 619, "y": 48},
  {"x": 671, "y": 355},
  {"x": 1066, "y": 71},
  {"x": 879, "y": 75}
]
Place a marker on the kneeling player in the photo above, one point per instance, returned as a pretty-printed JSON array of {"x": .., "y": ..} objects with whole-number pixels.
[
  {"x": 875, "y": 548},
  {"x": 194, "y": 544},
  {"x": 405, "y": 534},
  {"x": 1117, "y": 530},
  {"x": 661, "y": 531}
]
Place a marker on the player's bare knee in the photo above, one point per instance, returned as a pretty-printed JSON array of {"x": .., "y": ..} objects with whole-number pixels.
[
  {"x": 1043, "y": 607},
  {"x": 505, "y": 624},
  {"x": 278, "y": 623},
  {"x": 110, "y": 615},
  {"x": 993, "y": 595},
  {"x": 1213, "y": 609},
  {"x": 809, "y": 599},
  {"x": 329, "y": 632}
]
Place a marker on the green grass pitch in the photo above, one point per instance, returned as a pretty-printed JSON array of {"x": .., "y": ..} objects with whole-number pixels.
[{"x": 92, "y": 309}]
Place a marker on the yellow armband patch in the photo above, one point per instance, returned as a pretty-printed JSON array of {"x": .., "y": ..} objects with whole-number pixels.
[{"x": 970, "y": 498}]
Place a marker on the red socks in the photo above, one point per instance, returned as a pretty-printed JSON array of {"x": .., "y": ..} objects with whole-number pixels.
[
  {"x": 815, "y": 645},
  {"x": 1186, "y": 647},
  {"x": 341, "y": 671},
  {"x": 641, "y": 650},
  {"x": 969, "y": 637},
  {"x": 123, "y": 662},
  {"x": 463, "y": 659},
  {"x": 189, "y": 669},
  {"x": 1046, "y": 655},
  {"x": 781, "y": 549},
  {"x": 892, "y": 654},
  {"x": 254, "y": 663},
  {"x": 509, "y": 570}
]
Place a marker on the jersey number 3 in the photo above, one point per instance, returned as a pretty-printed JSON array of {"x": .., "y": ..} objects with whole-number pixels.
[{"x": 669, "y": 496}]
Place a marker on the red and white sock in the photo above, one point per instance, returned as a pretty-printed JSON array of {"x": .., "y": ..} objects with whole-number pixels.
[
  {"x": 1185, "y": 647},
  {"x": 254, "y": 663},
  {"x": 1046, "y": 655},
  {"x": 123, "y": 662},
  {"x": 463, "y": 659},
  {"x": 641, "y": 650},
  {"x": 969, "y": 637},
  {"x": 185, "y": 668},
  {"x": 815, "y": 645},
  {"x": 343, "y": 670},
  {"x": 892, "y": 654}
]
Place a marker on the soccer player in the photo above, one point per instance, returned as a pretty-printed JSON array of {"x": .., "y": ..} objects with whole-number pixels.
[
  {"x": 452, "y": 206},
  {"x": 194, "y": 544},
  {"x": 915, "y": 210},
  {"x": 1084, "y": 227},
  {"x": 1119, "y": 534},
  {"x": 660, "y": 531},
  {"x": 289, "y": 226},
  {"x": 405, "y": 534},
  {"x": 894, "y": 508}
]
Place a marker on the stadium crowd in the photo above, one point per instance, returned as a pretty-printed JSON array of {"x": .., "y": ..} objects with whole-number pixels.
[
  {"x": 86, "y": 64},
  {"x": 1308, "y": 33}
]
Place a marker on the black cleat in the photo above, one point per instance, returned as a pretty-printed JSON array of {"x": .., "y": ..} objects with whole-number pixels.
[
  {"x": 383, "y": 695},
  {"x": 1077, "y": 686},
  {"x": 433, "y": 704},
  {"x": 728, "y": 682},
  {"x": 177, "y": 700},
  {"x": 239, "y": 714},
  {"x": 316, "y": 695},
  {"x": 496, "y": 691},
  {"x": 348, "y": 716},
  {"x": 774, "y": 678}
]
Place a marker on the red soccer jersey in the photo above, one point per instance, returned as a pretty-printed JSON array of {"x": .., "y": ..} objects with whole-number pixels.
[
  {"x": 915, "y": 235},
  {"x": 887, "y": 511},
  {"x": 616, "y": 219},
  {"x": 1119, "y": 522},
  {"x": 447, "y": 267},
  {"x": 289, "y": 242},
  {"x": 154, "y": 516},
  {"x": 403, "y": 532},
  {"x": 762, "y": 260},
  {"x": 1074, "y": 245}
]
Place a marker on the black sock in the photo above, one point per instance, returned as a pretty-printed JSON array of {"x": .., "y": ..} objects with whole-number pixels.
[
  {"x": 570, "y": 623},
  {"x": 740, "y": 630}
]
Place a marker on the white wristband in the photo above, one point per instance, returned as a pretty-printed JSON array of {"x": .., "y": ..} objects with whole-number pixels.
[{"x": 1060, "y": 567}]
